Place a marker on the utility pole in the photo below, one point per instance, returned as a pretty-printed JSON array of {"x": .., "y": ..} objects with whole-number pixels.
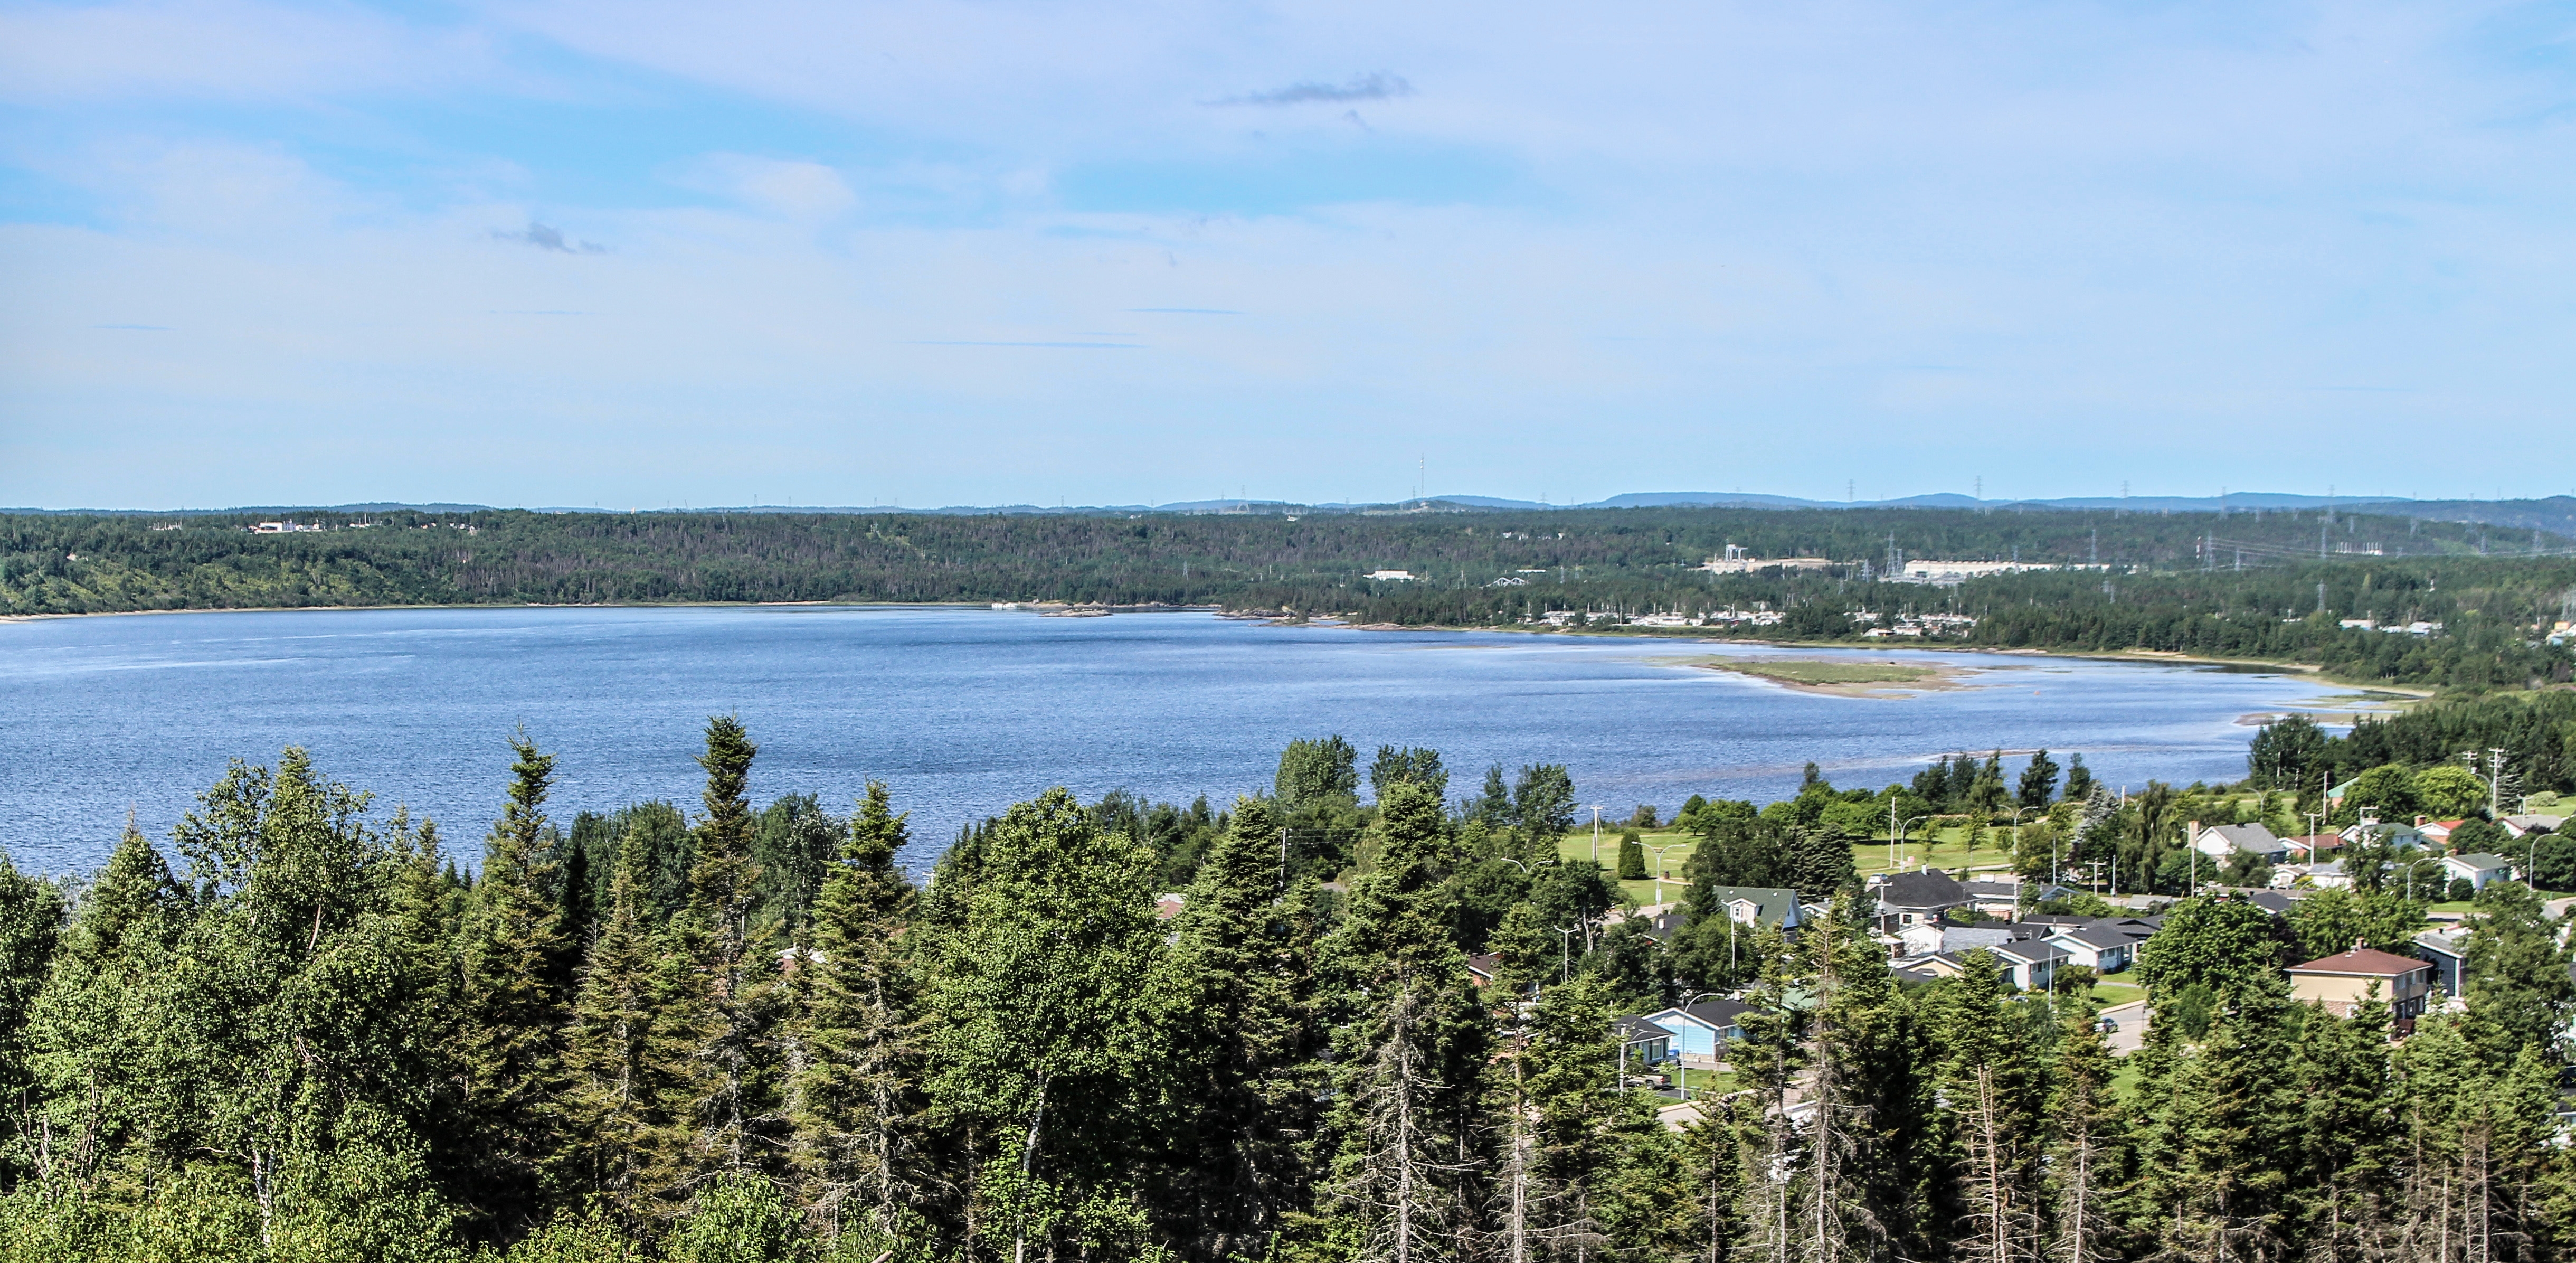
[{"x": 1596, "y": 835}]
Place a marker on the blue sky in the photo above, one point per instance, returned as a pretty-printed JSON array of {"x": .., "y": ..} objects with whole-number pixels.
[{"x": 647, "y": 252}]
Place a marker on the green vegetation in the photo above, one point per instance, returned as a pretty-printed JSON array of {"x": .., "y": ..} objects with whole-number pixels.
[
  {"x": 740, "y": 1032},
  {"x": 1811, "y": 671},
  {"x": 2162, "y": 589}
]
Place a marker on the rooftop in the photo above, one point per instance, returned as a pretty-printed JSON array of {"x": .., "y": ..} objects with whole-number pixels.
[{"x": 2362, "y": 961}]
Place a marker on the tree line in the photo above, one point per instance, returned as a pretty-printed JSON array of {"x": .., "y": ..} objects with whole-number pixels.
[
  {"x": 2166, "y": 588},
  {"x": 315, "y": 1038}
]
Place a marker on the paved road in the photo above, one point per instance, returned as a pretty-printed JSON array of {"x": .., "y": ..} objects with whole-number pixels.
[{"x": 2132, "y": 1018}]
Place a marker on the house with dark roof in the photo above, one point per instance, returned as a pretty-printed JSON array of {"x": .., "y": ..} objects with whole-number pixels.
[
  {"x": 1912, "y": 898},
  {"x": 1994, "y": 898},
  {"x": 1642, "y": 1041},
  {"x": 2278, "y": 903},
  {"x": 2447, "y": 951},
  {"x": 2526, "y": 825},
  {"x": 2342, "y": 981},
  {"x": 2104, "y": 949},
  {"x": 1700, "y": 1032}
]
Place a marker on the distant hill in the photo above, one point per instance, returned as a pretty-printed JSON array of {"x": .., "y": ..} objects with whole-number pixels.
[{"x": 2554, "y": 514}]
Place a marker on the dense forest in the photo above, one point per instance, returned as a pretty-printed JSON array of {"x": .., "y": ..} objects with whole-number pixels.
[
  {"x": 2273, "y": 585},
  {"x": 300, "y": 1032}
]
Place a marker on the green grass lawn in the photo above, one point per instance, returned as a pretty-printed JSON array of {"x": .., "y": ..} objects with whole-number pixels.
[
  {"x": 2107, "y": 994},
  {"x": 1707, "y": 1082}
]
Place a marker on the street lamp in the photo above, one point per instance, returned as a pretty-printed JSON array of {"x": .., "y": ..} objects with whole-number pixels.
[
  {"x": 2410, "y": 874},
  {"x": 1896, "y": 845},
  {"x": 1659, "y": 866},
  {"x": 1596, "y": 834},
  {"x": 1565, "y": 953}
]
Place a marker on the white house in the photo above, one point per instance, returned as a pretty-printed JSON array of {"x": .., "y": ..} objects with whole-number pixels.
[
  {"x": 2030, "y": 964},
  {"x": 2102, "y": 949},
  {"x": 2329, "y": 876},
  {"x": 2480, "y": 870},
  {"x": 2224, "y": 842},
  {"x": 1393, "y": 576}
]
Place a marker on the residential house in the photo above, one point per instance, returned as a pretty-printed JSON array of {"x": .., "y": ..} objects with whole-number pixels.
[
  {"x": 2403, "y": 837},
  {"x": 2313, "y": 847},
  {"x": 2438, "y": 830},
  {"x": 1749, "y": 906},
  {"x": 1913, "y": 898},
  {"x": 2030, "y": 964},
  {"x": 2000, "y": 899},
  {"x": 2480, "y": 870},
  {"x": 2103, "y": 949},
  {"x": 2328, "y": 876},
  {"x": 2278, "y": 903},
  {"x": 2526, "y": 825},
  {"x": 1481, "y": 969},
  {"x": 2447, "y": 951},
  {"x": 2342, "y": 981},
  {"x": 1700, "y": 1032},
  {"x": 1642, "y": 1042},
  {"x": 2224, "y": 842}
]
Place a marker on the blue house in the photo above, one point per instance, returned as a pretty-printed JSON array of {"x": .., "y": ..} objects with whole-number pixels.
[{"x": 1700, "y": 1030}]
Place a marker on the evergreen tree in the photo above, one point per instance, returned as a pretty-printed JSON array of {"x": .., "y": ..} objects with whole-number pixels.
[
  {"x": 736, "y": 1114},
  {"x": 2347, "y": 1129},
  {"x": 1993, "y": 1091},
  {"x": 513, "y": 1016},
  {"x": 2085, "y": 1146},
  {"x": 2038, "y": 781},
  {"x": 1409, "y": 1049},
  {"x": 2079, "y": 780},
  {"x": 1234, "y": 1003},
  {"x": 856, "y": 1092},
  {"x": 626, "y": 1060}
]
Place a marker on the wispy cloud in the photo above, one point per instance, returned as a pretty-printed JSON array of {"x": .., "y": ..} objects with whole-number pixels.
[
  {"x": 1055, "y": 346},
  {"x": 544, "y": 237},
  {"x": 1377, "y": 85}
]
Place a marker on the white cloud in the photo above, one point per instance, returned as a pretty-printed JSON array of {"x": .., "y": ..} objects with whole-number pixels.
[
  {"x": 156, "y": 49},
  {"x": 804, "y": 191}
]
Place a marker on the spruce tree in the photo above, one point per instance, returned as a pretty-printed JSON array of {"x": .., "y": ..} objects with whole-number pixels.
[
  {"x": 1992, "y": 1095},
  {"x": 1235, "y": 1005},
  {"x": 735, "y": 1115},
  {"x": 856, "y": 1094},
  {"x": 627, "y": 1063},
  {"x": 1409, "y": 1048},
  {"x": 2085, "y": 1142},
  {"x": 2348, "y": 1131},
  {"x": 513, "y": 1014}
]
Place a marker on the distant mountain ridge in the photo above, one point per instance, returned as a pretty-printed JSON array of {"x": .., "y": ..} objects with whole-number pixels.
[{"x": 2555, "y": 514}]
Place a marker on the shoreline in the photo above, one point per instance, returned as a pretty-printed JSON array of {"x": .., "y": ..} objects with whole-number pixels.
[{"x": 2126, "y": 655}]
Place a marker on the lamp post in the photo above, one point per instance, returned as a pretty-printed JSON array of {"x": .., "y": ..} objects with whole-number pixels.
[
  {"x": 1897, "y": 846},
  {"x": 2410, "y": 874},
  {"x": 1659, "y": 866},
  {"x": 1565, "y": 953},
  {"x": 1596, "y": 835}
]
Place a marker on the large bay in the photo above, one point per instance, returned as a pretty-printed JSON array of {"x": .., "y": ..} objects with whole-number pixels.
[{"x": 964, "y": 711}]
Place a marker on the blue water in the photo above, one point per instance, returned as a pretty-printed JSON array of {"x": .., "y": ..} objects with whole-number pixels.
[{"x": 966, "y": 711}]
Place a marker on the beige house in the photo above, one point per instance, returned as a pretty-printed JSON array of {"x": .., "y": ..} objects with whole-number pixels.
[{"x": 2342, "y": 981}]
